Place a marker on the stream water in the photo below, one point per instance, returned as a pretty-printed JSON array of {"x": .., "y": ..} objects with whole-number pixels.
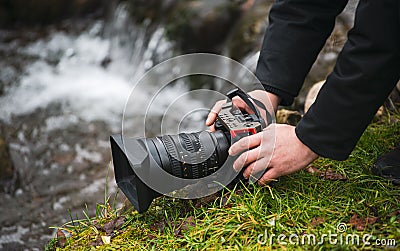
[{"x": 64, "y": 94}]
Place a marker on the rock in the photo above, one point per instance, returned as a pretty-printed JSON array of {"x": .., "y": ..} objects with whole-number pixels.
[
  {"x": 284, "y": 116},
  {"x": 30, "y": 12},
  {"x": 249, "y": 31},
  {"x": 6, "y": 167},
  {"x": 312, "y": 95},
  {"x": 202, "y": 26},
  {"x": 392, "y": 103},
  {"x": 379, "y": 114},
  {"x": 153, "y": 10},
  {"x": 64, "y": 159}
]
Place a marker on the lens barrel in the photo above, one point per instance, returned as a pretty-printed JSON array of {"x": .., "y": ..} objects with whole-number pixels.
[{"x": 190, "y": 155}]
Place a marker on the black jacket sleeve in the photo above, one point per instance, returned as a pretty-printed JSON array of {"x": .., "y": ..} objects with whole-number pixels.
[
  {"x": 366, "y": 71},
  {"x": 296, "y": 32}
]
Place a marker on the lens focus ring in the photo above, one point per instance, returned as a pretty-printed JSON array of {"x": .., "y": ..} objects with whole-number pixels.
[
  {"x": 194, "y": 155},
  {"x": 172, "y": 151}
]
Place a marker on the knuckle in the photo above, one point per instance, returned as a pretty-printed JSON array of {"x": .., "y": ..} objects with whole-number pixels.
[
  {"x": 258, "y": 152},
  {"x": 243, "y": 143},
  {"x": 272, "y": 162},
  {"x": 253, "y": 140}
]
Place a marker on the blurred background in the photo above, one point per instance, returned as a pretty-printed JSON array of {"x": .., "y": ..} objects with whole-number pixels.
[{"x": 66, "y": 70}]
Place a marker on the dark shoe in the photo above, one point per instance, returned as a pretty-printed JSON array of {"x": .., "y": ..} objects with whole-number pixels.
[{"x": 388, "y": 166}]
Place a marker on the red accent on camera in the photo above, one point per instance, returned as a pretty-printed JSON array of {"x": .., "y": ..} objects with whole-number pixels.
[{"x": 250, "y": 131}]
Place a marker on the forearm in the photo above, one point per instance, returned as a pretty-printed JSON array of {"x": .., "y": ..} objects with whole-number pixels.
[
  {"x": 366, "y": 71},
  {"x": 297, "y": 31}
]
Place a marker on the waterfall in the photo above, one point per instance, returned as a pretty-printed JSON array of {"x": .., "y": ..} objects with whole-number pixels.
[
  {"x": 90, "y": 74},
  {"x": 67, "y": 99}
]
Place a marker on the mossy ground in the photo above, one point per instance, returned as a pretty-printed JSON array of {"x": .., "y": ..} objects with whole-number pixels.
[{"x": 301, "y": 204}]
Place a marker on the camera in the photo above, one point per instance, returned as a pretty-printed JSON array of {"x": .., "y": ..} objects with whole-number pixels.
[{"x": 186, "y": 165}]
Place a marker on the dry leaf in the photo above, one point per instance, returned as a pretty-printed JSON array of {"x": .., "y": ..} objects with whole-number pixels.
[
  {"x": 158, "y": 226},
  {"x": 188, "y": 222},
  {"x": 119, "y": 222},
  {"x": 61, "y": 239},
  {"x": 329, "y": 174},
  {"x": 177, "y": 232},
  {"x": 178, "y": 226},
  {"x": 97, "y": 242},
  {"x": 317, "y": 221},
  {"x": 395, "y": 213},
  {"x": 151, "y": 236},
  {"x": 206, "y": 200},
  {"x": 313, "y": 170},
  {"x": 112, "y": 225},
  {"x": 183, "y": 225},
  {"x": 360, "y": 222}
]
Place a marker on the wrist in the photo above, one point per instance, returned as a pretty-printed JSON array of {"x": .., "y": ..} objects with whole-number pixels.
[
  {"x": 275, "y": 100},
  {"x": 270, "y": 100},
  {"x": 308, "y": 153}
]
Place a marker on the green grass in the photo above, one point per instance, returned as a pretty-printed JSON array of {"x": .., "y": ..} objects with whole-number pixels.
[{"x": 300, "y": 204}]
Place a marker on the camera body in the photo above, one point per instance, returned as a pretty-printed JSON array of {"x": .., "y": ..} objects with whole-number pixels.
[
  {"x": 239, "y": 124},
  {"x": 140, "y": 163}
]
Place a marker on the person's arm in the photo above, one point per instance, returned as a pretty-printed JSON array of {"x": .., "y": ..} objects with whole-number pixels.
[
  {"x": 296, "y": 32},
  {"x": 295, "y": 35},
  {"x": 366, "y": 71}
]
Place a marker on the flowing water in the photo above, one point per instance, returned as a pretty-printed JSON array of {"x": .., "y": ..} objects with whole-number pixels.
[{"x": 57, "y": 112}]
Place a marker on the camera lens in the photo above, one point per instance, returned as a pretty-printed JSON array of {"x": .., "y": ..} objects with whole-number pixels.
[{"x": 190, "y": 155}]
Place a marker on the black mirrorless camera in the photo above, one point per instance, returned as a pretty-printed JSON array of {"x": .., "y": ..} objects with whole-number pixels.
[{"x": 140, "y": 163}]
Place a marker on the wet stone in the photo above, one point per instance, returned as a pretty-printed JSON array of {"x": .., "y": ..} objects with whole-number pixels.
[
  {"x": 284, "y": 116},
  {"x": 6, "y": 167}
]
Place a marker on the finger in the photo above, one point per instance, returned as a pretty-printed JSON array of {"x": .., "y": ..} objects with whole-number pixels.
[
  {"x": 212, "y": 128},
  {"x": 211, "y": 118},
  {"x": 238, "y": 102},
  {"x": 213, "y": 113},
  {"x": 245, "y": 143},
  {"x": 249, "y": 170},
  {"x": 271, "y": 175},
  {"x": 246, "y": 158},
  {"x": 256, "y": 169}
]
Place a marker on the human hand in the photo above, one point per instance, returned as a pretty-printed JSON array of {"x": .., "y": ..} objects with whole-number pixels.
[
  {"x": 266, "y": 98},
  {"x": 276, "y": 151}
]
